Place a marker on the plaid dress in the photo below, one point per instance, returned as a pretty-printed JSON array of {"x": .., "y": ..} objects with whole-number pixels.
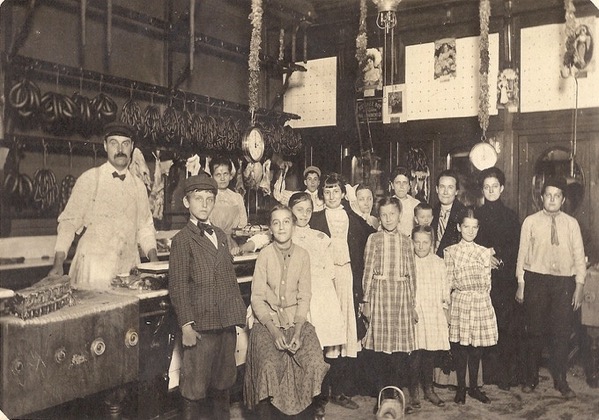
[
  {"x": 389, "y": 286},
  {"x": 472, "y": 316}
]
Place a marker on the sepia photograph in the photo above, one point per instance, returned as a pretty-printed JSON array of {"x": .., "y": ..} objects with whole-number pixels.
[{"x": 299, "y": 209}]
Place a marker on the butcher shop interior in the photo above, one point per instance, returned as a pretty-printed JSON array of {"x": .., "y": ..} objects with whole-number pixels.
[{"x": 299, "y": 209}]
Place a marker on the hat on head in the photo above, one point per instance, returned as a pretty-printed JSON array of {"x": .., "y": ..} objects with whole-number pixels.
[
  {"x": 119, "y": 128},
  {"x": 557, "y": 182},
  {"x": 202, "y": 181},
  {"x": 312, "y": 169}
]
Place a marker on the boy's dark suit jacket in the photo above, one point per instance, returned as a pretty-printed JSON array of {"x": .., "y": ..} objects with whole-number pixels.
[
  {"x": 202, "y": 282},
  {"x": 451, "y": 236},
  {"x": 357, "y": 235}
]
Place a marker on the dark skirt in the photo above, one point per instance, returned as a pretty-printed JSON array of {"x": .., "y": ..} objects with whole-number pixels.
[{"x": 291, "y": 381}]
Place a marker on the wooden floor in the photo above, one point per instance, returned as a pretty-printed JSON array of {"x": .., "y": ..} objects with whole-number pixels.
[{"x": 544, "y": 403}]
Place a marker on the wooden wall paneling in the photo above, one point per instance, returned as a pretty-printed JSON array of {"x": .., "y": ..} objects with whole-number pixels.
[{"x": 592, "y": 248}]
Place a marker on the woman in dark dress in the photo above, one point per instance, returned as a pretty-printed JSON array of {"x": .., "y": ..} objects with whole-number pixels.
[{"x": 500, "y": 230}]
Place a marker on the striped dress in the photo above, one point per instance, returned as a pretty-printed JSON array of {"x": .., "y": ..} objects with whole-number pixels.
[
  {"x": 389, "y": 286},
  {"x": 472, "y": 316}
]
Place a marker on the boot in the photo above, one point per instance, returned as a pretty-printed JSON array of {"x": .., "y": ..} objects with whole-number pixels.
[
  {"x": 431, "y": 395},
  {"x": 319, "y": 403},
  {"x": 477, "y": 394},
  {"x": 264, "y": 410},
  {"x": 190, "y": 409},
  {"x": 460, "y": 395},
  {"x": 414, "y": 397},
  {"x": 561, "y": 384},
  {"x": 592, "y": 371},
  {"x": 221, "y": 405}
]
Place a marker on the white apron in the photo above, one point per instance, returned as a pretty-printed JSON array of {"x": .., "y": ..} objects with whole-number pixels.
[{"x": 109, "y": 245}]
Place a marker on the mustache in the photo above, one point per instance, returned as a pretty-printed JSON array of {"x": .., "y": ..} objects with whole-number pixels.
[{"x": 120, "y": 155}]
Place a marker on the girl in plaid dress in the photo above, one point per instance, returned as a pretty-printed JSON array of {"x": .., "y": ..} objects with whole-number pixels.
[
  {"x": 472, "y": 319},
  {"x": 389, "y": 288}
]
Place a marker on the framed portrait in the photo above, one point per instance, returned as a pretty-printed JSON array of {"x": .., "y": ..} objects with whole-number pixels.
[
  {"x": 394, "y": 104},
  {"x": 445, "y": 58}
]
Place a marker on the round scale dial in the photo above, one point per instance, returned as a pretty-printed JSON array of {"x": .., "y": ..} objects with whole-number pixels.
[{"x": 253, "y": 144}]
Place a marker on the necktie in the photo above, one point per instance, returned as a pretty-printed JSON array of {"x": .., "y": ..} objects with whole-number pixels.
[
  {"x": 554, "y": 238},
  {"x": 115, "y": 174},
  {"x": 205, "y": 227},
  {"x": 443, "y": 215}
]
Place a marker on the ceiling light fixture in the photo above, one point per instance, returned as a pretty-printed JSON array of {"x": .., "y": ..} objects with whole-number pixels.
[{"x": 387, "y": 17}]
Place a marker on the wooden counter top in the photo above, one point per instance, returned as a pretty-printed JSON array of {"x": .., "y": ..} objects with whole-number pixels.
[
  {"x": 29, "y": 263},
  {"x": 48, "y": 262}
]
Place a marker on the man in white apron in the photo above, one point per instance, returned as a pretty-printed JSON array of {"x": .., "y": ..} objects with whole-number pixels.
[{"x": 111, "y": 206}]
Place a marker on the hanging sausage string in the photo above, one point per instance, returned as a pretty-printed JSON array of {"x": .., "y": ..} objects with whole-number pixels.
[{"x": 60, "y": 115}]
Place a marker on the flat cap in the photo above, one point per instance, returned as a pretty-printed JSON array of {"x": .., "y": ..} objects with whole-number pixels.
[
  {"x": 119, "y": 128},
  {"x": 201, "y": 182},
  {"x": 557, "y": 182},
  {"x": 312, "y": 169}
]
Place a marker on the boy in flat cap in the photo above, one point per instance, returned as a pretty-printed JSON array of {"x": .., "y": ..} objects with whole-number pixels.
[
  {"x": 111, "y": 206},
  {"x": 204, "y": 291},
  {"x": 551, "y": 270}
]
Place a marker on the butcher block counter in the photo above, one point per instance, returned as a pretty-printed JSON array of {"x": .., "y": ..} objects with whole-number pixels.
[
  {"x": 107, "y": 339},
  {"x": 73, "y": 352}
]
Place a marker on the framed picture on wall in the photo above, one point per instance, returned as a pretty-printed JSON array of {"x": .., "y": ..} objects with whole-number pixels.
[
  {"x": 394, "y": 104},
  {"x": 370, "y": 78}
]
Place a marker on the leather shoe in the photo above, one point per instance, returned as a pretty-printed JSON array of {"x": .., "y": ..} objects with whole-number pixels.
[
  {"x": 460, "y": 396},
  {"x": 344, "y": 401},
  {"x": 565, "y": 390},
  {"x": 415, "y": 398},
  {"x": 477, "y": 394}
]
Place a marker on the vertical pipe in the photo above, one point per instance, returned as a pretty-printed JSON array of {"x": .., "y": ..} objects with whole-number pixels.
[
  {"x": 392, "y": 64},
  {"x": 305, "y": 44},
  {"x": 109, "y": 27},
  {"x": 168, "y": 55},
  {"x": 83, "y": 30},
  {"x": 192, "y": 33},
  {"x": 294, "y": 44}
]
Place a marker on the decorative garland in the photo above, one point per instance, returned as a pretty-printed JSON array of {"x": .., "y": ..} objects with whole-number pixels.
[
  {"x": 282, "y": 44},
  {"x": 570, "y": 33},
  {"x": 362, "y": 38},
  {"x": 483, "y": 102},
  {"x": 254, "y": 59}
]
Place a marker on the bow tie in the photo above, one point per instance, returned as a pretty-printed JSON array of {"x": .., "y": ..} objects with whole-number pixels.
[
  {"x": 205, "y": 227},
  {"x": 115, "y": 174}
]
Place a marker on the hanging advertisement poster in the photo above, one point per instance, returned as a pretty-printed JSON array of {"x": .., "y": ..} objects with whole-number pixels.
[
  {"x": 370, "y": 78},
  {"x": 369, "y": 110},
  {"x": 394, "y": 104},
  {"x": 445, "y": 58}
]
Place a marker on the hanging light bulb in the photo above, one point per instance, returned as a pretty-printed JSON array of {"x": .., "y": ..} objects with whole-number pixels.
[{"x": 387, "y": 17}]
